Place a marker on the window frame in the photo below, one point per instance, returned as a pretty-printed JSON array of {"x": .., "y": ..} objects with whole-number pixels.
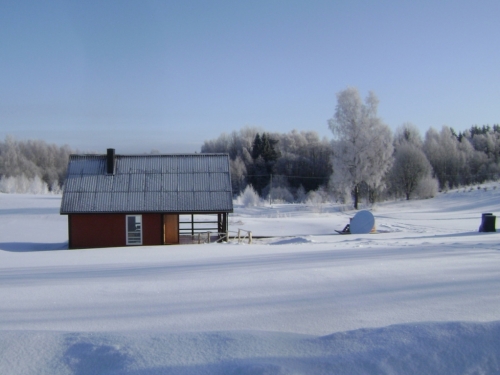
[{"x": 130, "y": 240}]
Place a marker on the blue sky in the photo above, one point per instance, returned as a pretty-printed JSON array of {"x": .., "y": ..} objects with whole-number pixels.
[{"x": 167, "y": 75}]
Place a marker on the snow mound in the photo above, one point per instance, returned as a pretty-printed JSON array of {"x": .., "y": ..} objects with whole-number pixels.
[{"x": 423, "y": 348}]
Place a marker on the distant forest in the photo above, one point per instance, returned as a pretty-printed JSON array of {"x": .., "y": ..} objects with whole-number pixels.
[
  {"x": 32, "y": 166},
  {"x": 296, "y": 163},
  {"x": 364, "y": 160}
]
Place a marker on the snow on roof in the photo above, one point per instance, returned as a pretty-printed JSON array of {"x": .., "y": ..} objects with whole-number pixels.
[{"x": 148, "y": 183}]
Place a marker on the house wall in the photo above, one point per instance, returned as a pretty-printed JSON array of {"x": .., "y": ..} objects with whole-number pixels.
[
  {"x": 152, "y": 232},
  {"x": 108, "y": 230}
]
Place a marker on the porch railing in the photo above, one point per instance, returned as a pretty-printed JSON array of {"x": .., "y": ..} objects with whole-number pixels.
[{"x": 208, "y": 237}]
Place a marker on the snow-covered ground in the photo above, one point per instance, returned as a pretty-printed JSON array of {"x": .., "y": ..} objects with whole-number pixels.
[{"x": 422, "y": 296}]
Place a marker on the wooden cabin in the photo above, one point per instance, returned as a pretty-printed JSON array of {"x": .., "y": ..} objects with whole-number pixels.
[{"x": 129, "y": 200}]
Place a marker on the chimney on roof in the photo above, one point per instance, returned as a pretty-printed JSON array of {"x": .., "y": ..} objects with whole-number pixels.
[{"x": 110, "y": 161}]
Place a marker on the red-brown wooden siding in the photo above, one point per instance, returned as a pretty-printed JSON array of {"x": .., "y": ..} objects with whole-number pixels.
[{"x": 108, "y": 230}]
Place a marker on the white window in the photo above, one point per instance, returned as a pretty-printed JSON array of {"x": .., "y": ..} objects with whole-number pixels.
[{"x": 134, "y": 229}]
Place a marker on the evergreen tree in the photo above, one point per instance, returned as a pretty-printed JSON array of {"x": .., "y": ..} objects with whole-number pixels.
[
  {"x": 257, "y": 147},
  {"x": 264, "y": 155}
]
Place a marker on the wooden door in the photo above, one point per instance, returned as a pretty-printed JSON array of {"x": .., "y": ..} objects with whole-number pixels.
[{"x": 170, "y": 229}]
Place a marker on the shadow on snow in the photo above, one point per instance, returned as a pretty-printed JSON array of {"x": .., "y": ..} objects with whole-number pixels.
[{"x": 21, "y": 247}]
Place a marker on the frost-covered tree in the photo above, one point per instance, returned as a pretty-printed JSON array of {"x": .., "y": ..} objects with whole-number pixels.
[
  {"x": 442, "y": 151},
  {"x": 238, "y": 145},
  {"x": 410, "y": 167},
  {"x": 249, "y": 197},
  {"x": 305, "y": 159},
  {"x": 464, "y": 158},
  {"x": 475, "y": 165},
  {"x": 238, "y": 172},
  {"x": 34, "y": 158},
  {"x": 427, "y": 188},
  {"x": 408, "y": 133},
  {"x": 302, "y": 158},
  {"x": 410, "y": 163},
  {"x": 362, "y": 144},
  {"x": 317, "y": 198},
  {"x": 280, "y": 194},
  {"x": 23, "y": 185},
  {"x": 484, "y": 160},
  {"x": 300, "y": 195},
  {"x": 234, "y": 144}
]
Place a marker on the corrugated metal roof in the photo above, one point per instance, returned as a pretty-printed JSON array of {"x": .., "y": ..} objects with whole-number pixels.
[{"x": 148, "y": 183}]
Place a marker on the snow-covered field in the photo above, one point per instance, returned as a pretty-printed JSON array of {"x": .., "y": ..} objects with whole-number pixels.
[{"x": 422, "y": 296}]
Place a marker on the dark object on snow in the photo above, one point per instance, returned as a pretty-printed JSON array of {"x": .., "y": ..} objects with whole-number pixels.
[
  {"x": 488, "y": 223},
  {"x": 346, "y": 230}
]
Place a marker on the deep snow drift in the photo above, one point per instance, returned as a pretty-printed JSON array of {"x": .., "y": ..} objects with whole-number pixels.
[{"x": 420, "y": 297}]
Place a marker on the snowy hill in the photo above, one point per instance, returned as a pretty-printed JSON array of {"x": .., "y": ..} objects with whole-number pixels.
[{"x": 419, "y": 297}]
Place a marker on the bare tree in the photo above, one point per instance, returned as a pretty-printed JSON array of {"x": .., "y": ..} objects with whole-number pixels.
[{"x": 362, "y": 145}]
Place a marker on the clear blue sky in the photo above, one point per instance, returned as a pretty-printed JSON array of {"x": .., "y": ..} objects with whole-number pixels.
[{"x": 167, "y": 75}]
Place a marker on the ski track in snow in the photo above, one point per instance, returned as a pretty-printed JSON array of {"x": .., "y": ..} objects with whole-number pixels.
[{"x": 419, "y": 297}]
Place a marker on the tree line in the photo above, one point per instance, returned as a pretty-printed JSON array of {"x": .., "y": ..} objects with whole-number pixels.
[
  {"x": 290, "y": 164},
  {"x": 363, "y": 161},
  {"x": 32, "y": 166}
]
